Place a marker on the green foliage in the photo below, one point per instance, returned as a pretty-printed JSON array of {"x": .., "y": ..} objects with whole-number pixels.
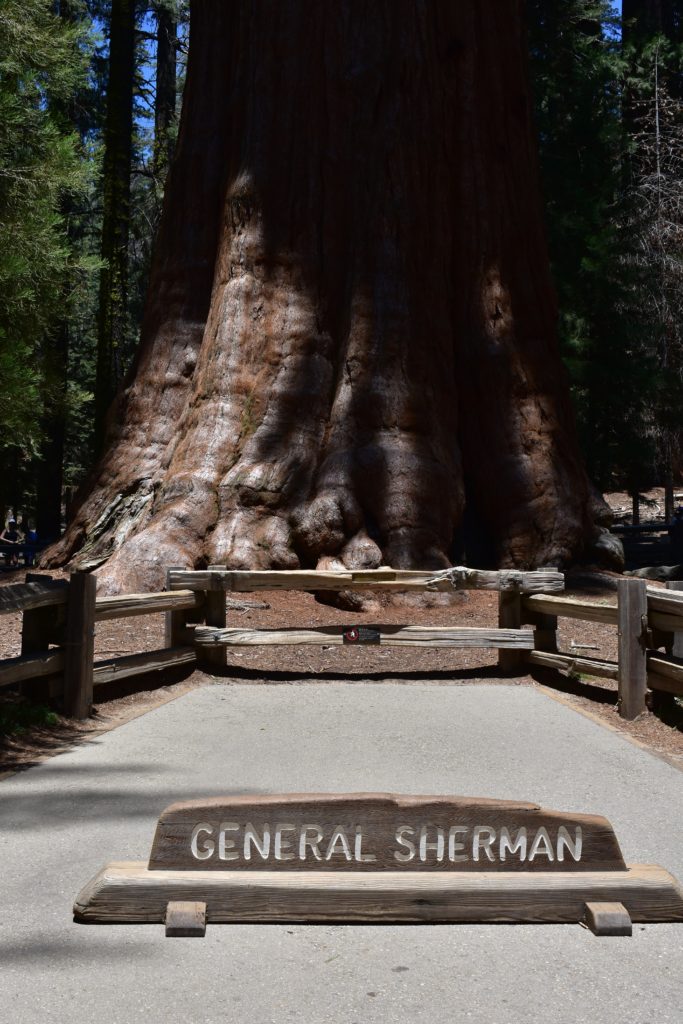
[
  {"x": 42, "y": 64},
  {"x": 18, "y": 716},
  {"x": 587, "y": 80}
]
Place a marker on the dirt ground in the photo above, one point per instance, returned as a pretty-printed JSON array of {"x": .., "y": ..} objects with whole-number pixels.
[
  {"x": 651, "y": 504},
  {"x": 661, "y": 732}
]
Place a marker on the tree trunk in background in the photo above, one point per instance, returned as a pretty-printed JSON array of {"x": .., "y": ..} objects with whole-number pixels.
[
  {"x": 350, "y": 334},
  {"x": 165, "y": 101},
  {"x": 50, "y": 472},
  {"x": 51, "y": 469},
  {"x": 118, "y": 145}
]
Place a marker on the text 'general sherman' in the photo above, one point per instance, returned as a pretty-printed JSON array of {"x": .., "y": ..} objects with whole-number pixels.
[{"x": 232, "y": 841}]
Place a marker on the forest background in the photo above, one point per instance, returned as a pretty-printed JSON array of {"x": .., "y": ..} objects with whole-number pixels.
[{"x": 90, "y": 92}]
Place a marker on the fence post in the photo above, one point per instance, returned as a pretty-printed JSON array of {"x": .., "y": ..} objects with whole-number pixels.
[
  {"x": 510, "y": 617},
  {"x": 174, "y": 622},
  {"x": 80, "y": 645},
  {"x": 214, "y": 615},
  {"x": 677, "y": 649},
  {"x": 632, "y": 619},
  {"x": 35, "y": 637}
]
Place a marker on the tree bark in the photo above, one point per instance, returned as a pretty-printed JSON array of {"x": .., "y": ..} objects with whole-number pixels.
[
  {"x": 118, "y": 151},
  {"x": 165, "y": 100},
  {"x": 350, "y": 337}
]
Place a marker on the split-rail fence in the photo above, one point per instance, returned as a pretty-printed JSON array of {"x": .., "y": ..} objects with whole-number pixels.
[{"x": 59, "y": 619}]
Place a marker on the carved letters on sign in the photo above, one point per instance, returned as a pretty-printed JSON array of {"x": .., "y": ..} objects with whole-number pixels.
[
  {"x": 379, "y": 857},
  {"x": 233, "y": 841},
  {"x": 379, "y": 832}
]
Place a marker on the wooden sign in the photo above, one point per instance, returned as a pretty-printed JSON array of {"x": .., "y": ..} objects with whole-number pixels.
[
  {"x": 379, "y": 857},
  {"x": 379, "y": 832}
]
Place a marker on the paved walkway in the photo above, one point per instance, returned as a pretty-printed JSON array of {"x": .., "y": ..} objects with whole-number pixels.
[{"x": 60, "y": 822}]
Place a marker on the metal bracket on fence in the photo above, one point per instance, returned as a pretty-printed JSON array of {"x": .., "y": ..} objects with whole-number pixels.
[{"x": 646, "y": 638}]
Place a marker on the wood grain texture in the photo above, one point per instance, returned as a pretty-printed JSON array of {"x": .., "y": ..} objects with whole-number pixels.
[
  {"x": 175, "y": 620},
  {"x": 215, "y": 616},
  {"x": 390, "y": 635},
  {"x": 185, "y": 919},
  {"x": 459, "y": 578},
  {"x": 33, "y": 666},
  {"x": 572, "y": 608},
  {"x": 545, "y": 629},
  {"x": 677, "y": 645},
  {"x": 632, "y": 607},
  {"x": 80, "y": 645},
  {"x": 510, "y": 617},
  {"x": 665, "y": 622},
  {"x": 378, "y": 815},
  {"x": 17, "y": 597},
  {"x": 668, "y": 601},
  {"x": 124, "y": 605},
  {"x": 569, "y": 663},
  {"x": 662, "y": 684},
  {"x": 130, "y": 892},
  {"x": 608, "y": 919},
  {"x": 114, "y": 669}
]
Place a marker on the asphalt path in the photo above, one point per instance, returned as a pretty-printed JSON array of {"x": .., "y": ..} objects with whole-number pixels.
[{"x": 61, "y": 821}]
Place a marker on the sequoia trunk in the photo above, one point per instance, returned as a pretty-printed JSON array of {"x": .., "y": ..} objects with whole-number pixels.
[{"x": 350, "y": 334}]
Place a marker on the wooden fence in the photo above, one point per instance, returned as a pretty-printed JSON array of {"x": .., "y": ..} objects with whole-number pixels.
[
  {"x": 58, "y": 633},
  {"x": 649, "y": 625},
  {"x": 59, "y": 619}
]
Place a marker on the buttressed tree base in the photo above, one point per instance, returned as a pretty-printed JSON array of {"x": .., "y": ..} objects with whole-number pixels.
[{"x": 349, "y": 352}]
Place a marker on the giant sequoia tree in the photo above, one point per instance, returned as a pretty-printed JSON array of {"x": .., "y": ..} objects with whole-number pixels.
[{"x": 349, "y": 348}]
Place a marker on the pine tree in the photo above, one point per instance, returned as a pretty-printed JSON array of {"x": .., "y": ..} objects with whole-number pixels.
[
  {"x": 655, "y": 225},
  {"x": 113, "y": 326},
  {"x": 579, "y": 73},
  {"x": 42, "y": 65}
]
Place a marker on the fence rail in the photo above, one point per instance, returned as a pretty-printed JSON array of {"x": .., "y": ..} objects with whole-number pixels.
[
  {"x": 647, "y": 619},
  {"x": 63, "y": 613},
  {"x": 59, "y": 618}
]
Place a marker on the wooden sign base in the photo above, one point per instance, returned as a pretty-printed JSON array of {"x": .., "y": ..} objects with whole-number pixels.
[
  {"x": 129, "y": 892},
  {"x": 379, "y": 858}
]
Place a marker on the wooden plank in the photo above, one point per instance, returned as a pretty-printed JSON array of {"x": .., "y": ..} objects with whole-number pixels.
[
  {"x": 36, "y": 624},
  {"x": 130, "y": 892},
  {"x": 608, "y": 919},
  {"x": 677, "y": 648},
  {"x": 572, "y": 608},
  {"x": 545, "y": 629},
  {"x": 632, "y": 605},
  {"x": 379, "y": 832},
  {"x": 215, "y": 615},
  {"x": 114, "y": 669},
  {"x": 670, "y": 667},
  {"x": 185, "y": 919},
  {"x": 569, "y": 663},
  {"x": 40, "y": 627},
  {"x": 80, "y": 645},
  {"x": 668, "y": 601},
  {"x": 459, "y": 578},
  {"x": 663, "y": 622},
  {"x": 32, "y": 666},
  {"x": 124, "y": 605},
  {"x": 176, "y": 619},
  {"x": 510, "y": 617},
  {"x": 664, "y": 674},
  {"x": 390, "y": 635},
  {"x": 17, "y": 597},
  {"x": 664, "y": 684}
]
